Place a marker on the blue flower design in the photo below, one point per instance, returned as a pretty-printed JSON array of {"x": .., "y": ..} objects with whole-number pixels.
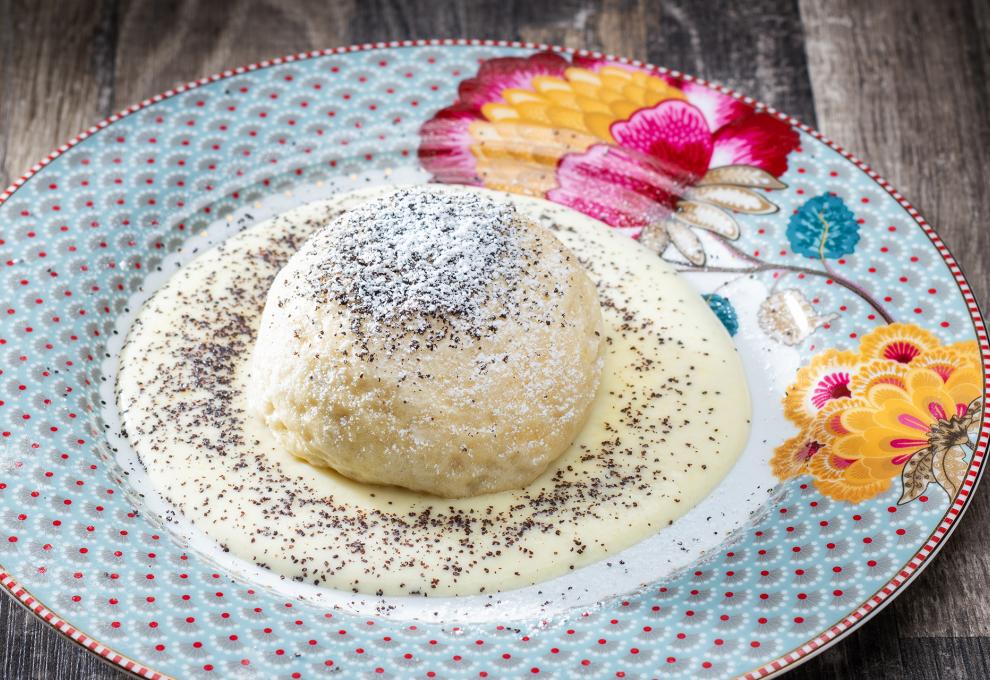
[
  {"x": 824, "y": 227},
  {"x": 724, "y": 310}
]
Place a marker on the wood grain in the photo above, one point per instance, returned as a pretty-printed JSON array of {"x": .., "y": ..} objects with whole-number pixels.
[
  {"x": 162, "y": 43},
  {"x": 755, "y": 47},
  {"x": 902, "y": 84},
  {"x": 55, "y": 78}
]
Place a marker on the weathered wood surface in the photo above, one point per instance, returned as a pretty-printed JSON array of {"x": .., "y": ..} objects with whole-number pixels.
[{"x": 902, "y": 84}]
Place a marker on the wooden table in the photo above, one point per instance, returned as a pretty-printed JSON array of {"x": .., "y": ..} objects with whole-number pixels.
[{"x": 900, "y": 84}]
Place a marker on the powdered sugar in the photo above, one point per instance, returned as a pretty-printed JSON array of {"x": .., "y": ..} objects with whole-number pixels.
[{"x": 419, "y": 257}]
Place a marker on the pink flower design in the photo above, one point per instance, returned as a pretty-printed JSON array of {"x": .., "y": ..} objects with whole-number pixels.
[
  {"x": 637, "y": 149},
  {"x": 831, "y": 386}
]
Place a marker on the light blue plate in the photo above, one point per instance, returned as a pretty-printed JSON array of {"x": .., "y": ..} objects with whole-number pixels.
[{"x": 843, "y": 494}]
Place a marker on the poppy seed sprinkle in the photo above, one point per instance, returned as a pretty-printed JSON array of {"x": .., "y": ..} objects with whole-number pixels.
[{"x": 668, "y": 423}]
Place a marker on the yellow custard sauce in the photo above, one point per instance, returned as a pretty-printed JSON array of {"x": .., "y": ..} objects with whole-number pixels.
[{"x": 670, "y": 418}]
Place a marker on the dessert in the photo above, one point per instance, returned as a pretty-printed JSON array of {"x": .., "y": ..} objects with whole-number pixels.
[
  {"x": 442, "y": 343},
  {"x": 669, "y": 418}
]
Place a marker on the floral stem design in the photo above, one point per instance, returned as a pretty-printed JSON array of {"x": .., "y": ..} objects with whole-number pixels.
[{"x": 761, "y": 266}]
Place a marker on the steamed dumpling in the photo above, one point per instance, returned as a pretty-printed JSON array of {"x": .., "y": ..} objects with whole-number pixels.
[{"x": 431, "y": 339}]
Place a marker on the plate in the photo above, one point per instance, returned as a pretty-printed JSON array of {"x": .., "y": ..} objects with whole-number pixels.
[{"x": 865, "y": 350}]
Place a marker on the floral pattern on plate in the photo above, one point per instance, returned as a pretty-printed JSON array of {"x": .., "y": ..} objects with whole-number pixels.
[
  {"x": 903, "y": 406},
  {"x": 99, "y": 218},
  {"x": 662, "y": 155},
  {"x": 633, "y": 148}
]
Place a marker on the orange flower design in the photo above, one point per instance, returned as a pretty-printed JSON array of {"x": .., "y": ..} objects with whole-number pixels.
[
  {"x": 956, "y": 367},
  {"x": 826, "y": 378},
  {"x": 877, "y": 372},
  {"x": 895, "y": 423},
  {"x": 902, "y": 406},
  {"x": 847, "y": 479},
  {"x": 792, "y": 457},
  {"x": 899, "y": 342}
]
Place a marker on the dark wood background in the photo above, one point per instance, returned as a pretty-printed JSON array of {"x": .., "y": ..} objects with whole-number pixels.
[{"x": 901, "y": 84}]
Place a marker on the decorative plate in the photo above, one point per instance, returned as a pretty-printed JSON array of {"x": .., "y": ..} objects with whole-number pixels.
[{"x": 865, "y": 348}]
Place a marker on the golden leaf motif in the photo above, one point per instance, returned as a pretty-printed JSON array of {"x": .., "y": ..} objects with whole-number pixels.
[
  {"x": 949, "y": 467},
  {"x": 974, "y": 419},
  {"x": 743, "y": 176},
  {"x": 736, "y": 199},
  {"x": 655, "y": 237},
  {"x": 916, "y": 476},
  {"x": 686, "y": 241},
  {"x": 708, "y": 217}
]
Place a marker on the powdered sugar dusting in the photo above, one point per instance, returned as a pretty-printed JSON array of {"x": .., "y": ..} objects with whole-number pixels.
[{"x": 419, "y": 257}]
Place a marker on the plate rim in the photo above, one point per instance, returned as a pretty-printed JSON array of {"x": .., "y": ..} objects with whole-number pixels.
[{"x": 782, "y": 663}]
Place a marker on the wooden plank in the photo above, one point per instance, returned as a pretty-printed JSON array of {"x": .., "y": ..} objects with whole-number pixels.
[
  {"x": 903, "y": 86},
  {"x": 882, "y": 654},
  {"x": 56, "y": 76},
  {"x": 946, "y": 658},
  {"x": 755, "y": 47},
  {"x": 163, "y": 43}
]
